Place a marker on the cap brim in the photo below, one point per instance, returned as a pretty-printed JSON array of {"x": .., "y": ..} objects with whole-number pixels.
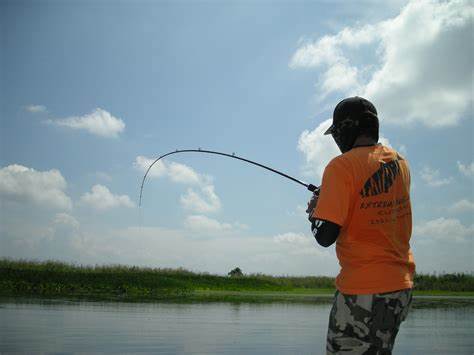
[{"x": 329, "y": 130}]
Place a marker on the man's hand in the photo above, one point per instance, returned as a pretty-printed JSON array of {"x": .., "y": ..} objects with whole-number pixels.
[{"x": 311, "y": 206}]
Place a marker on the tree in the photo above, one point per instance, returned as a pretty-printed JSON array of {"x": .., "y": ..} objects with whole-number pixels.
[{"x": 236, "y": 272}]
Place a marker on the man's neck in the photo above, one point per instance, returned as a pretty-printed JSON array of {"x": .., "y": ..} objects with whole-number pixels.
[{"x": 364, "y": 141}]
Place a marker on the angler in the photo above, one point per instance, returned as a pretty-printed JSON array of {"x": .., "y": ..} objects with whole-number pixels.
[{"x": 374, "y": 285}]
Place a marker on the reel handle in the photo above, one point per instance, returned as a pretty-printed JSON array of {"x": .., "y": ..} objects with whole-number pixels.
[{"x": 314, "y": 189}]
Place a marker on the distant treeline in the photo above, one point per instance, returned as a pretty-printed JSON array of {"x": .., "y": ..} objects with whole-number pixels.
[
  {"x": 444, "y": 282},
  {"x": 51, "y": 279}
]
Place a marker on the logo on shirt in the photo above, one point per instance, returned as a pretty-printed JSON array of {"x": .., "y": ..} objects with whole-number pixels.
[{"x": 382, "y": 179}]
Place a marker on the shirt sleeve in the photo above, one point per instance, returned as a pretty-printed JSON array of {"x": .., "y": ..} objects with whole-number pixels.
[{"x": 335, "y": 194}]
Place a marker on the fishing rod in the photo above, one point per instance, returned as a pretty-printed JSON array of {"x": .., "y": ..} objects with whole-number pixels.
[{"x": 310, "y": 187}]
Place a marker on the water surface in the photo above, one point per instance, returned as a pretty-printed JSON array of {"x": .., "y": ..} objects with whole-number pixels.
[{"x": 212, "y": 328}]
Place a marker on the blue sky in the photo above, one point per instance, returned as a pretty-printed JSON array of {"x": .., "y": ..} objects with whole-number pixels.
[{"x": 91, "y": 91}]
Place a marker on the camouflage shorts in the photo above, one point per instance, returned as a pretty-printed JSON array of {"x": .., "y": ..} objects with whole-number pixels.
[{"x": 366, "y": 324}]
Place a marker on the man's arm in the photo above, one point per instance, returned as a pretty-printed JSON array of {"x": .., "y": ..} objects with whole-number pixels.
[
  {"x": 325, "y": 232},
  {"x": 328, "y": 210}
]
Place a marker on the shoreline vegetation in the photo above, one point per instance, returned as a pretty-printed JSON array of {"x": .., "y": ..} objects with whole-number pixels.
[{"x": 58, "y": 280}]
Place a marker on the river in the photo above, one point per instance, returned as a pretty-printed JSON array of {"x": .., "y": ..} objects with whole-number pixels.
[{"x": 209, "y": 328}]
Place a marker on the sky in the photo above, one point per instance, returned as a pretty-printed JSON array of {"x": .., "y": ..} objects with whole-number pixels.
[{"x": 91, "y": 92}]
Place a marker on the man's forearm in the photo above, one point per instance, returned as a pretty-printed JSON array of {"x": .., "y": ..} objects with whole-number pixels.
[{"x": 325, "y": 232}]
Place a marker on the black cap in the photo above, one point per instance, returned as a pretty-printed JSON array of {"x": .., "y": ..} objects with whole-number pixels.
[{"x": 354, "y": 108}]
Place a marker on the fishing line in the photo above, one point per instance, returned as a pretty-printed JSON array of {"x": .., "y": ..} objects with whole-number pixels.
[{"x": 310, "y": 187}]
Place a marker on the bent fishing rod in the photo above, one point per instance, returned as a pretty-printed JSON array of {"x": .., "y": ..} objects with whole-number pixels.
[{"x": 310, "y": 187}]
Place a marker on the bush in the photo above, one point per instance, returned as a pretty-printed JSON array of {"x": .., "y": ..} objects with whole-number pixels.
[{"x": 236, "y": 272}]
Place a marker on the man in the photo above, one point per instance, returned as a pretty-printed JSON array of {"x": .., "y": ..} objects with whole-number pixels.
[{"x": 364, "y": 206}]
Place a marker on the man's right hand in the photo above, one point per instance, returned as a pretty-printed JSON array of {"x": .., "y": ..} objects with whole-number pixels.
[{"x": 311, "y": 206}]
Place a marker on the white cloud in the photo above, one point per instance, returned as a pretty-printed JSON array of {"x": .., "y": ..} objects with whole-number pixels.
[
  {"x": 204, "y": 202},
  {"x": 35, "y": 108},
  {"x": 466, "y": 170},
  {"x": 102, "y": 199},
  {"x": 184, "y": 174},
  {"x": 159, "y": 169},
  {"x": 43, "y": 188},
  {"x": 339, "y": 74},
  {"x": 443, "y": 245},
  {"x": 206, "y": 224},
  {"x": 384, "y": 141},
  {"x": 176, "y": 172},
  {"x": 462, "y": 206},
  {"x": 292, "y": 238},
  {"x": 318, "y": 149},
  {"x": 58, "y": 241},
  {"x": 444, "y": 229},
  {"x": 299, "y": 244},
  {"x": 421, "y": 69},
  {"x": 432, "y": 177},
  {"x": 328, "y": 50},
  {"x": 65, "y": 219},
  {"x": 98, "y": 122},
  {"x": 339, "y": 77}
]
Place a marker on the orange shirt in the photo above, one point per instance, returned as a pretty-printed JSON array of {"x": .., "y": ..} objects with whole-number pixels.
[{"x": 366, "y": 191}]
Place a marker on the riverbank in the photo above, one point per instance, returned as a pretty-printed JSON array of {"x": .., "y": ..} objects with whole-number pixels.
[{"x": 53, "y": 280}]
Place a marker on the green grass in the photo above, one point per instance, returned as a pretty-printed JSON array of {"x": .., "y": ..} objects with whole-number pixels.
[{"x": 51, "y": 279}]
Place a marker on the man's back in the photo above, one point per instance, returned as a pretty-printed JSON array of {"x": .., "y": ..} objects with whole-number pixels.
[{"x": 366, "y": 191}]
